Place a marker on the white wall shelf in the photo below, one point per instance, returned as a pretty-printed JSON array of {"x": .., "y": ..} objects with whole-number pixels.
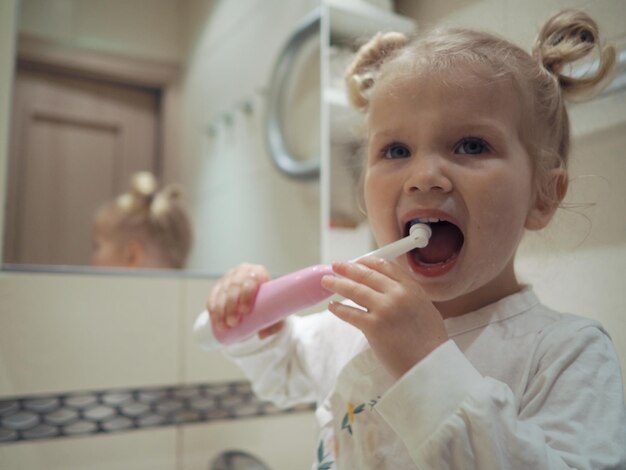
[
  {"x": 346, "y": 25},
  {"x": 358, "y": 20}
]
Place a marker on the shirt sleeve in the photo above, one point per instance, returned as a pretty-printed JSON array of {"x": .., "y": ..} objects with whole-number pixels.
[
  {"x": 571, "y": 415},
  {"x": 299, "y": 364},
  {"x": 276, "y": 374}
]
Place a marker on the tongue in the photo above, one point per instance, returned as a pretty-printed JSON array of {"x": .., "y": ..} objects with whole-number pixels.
[{"x": 445, "y": 241}]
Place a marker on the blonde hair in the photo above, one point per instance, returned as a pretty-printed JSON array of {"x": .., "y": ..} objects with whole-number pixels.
[
  {"x": 150, "y": 216},
  {"x": 539, "y": 77}
]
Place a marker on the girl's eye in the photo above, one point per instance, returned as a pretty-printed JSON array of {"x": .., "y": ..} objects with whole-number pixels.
[
  {"x": 395, "y": 151},
  {"x": 472, "y": 146}
]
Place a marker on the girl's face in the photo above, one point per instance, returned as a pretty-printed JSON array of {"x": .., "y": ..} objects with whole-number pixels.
[
  {"x": 447, "y": 148},
  {"x": 107, "y": 252}
]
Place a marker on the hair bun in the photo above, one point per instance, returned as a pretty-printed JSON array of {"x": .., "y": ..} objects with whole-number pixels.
[
  {"x": 568, "y": 36},
  {"x": 361, "y": 72},
  {"x": 164, "y": 200},
  {"x": 143, "y": 184}
]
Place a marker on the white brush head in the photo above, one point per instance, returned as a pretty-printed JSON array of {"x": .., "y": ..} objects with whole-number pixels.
[
  {"x": 417, "y": 238},
  {"x": 421, "y": 233}
]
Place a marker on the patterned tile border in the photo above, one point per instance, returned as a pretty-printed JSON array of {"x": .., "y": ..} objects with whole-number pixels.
[{"x": 54, "y": 416}]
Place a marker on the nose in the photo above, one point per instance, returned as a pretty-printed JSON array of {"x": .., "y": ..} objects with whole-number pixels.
[{"x": 428, "y": 172}]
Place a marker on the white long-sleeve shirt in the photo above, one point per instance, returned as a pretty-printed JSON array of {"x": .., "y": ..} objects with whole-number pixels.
[{"x": 517, "y": 386}]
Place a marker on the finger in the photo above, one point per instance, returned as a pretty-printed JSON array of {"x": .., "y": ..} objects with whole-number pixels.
[
  {"x": 250, "y": 283},
  {"x": 254, "y": 271},
  {"x": 217, "y": 313},
  {"x": 352, "y": 315},
  {"x": 362, "y": 274},
  {"x": 387, "y": 268},
  {"x": 234, "y": 294},
  {"x": 247, "y": 295},
  {"x": 216, "y": 301},
  {"x": 359, "y": 293},
  {"x": 238, "y": 287},
  {"x": 231, "y": 307}
]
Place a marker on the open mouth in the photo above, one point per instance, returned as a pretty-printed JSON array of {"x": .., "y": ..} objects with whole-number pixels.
[{"x": 443, "y": 247}]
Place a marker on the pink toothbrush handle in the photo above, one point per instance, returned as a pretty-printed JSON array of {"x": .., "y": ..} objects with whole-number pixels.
[
  {"x": 281, "y": 297},
  {"x": 277, "y": 299}
]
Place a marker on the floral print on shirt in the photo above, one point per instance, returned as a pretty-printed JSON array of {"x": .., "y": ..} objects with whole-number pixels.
[
  {"x": 350, "y": 416},
  {"x": 323, "y": 458}
]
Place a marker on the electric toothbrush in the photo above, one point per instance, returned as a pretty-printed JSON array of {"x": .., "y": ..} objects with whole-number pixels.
[{"x": 280, "y": 297}]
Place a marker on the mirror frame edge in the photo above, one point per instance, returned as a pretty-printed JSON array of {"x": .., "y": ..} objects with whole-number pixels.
[{"x": 8, "y": 45}]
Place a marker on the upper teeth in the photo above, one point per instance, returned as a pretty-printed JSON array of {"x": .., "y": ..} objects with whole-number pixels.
[{"x": 427, "y": 220}]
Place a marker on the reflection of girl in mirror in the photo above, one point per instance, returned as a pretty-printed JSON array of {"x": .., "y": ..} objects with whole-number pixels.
[
  {"x": 144, "y": 228},
  {"x": 443, "y": 359}
]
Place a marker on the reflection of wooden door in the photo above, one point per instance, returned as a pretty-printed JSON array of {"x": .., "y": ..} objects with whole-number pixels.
[{"x": 75, "y": 143}]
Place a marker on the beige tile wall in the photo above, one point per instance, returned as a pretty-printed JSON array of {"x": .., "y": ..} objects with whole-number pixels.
[
  {"x": 69, "y": 332},
  {"x": 63, "y": 333},
  {"x": 285, "y": 442},
  {"x": 137, "y": 450},
  {"x": 518, "y": 21}
]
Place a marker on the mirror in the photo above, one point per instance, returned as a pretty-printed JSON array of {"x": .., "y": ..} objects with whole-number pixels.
[{"x": 104, "y": 89}]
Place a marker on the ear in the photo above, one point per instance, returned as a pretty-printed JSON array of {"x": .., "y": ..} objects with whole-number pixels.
[
  {"x": 134, "y": 254},
  {"x": 546, "y": 204}
]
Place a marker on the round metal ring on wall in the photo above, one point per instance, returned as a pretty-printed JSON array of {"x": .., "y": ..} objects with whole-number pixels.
[
  {"x": 237, "y": 460},
  {"x": 307, "y": 30}
]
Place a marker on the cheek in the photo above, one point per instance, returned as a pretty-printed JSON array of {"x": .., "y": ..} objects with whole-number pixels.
[
  {"x": 378, "y": 195},
  {"x": 503, "y": 210},
  {"x": 97, "y": 258},
  {"x": 380, "y": 207},
  {"x": 108, "y": 254},
  {"x": 369, "y": 188}
]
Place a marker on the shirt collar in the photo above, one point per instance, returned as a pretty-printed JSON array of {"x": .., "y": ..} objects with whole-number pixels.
[{"x": 500, "y": 310}]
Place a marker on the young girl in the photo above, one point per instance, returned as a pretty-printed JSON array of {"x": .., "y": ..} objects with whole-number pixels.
[
  {"x": 442, "y": 359},
  {"x": 144, "y": 228}
]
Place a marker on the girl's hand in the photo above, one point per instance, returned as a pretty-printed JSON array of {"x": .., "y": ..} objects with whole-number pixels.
[
  {"x": 233, "y": 297},
  {"x": 400, "y": 323}
]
